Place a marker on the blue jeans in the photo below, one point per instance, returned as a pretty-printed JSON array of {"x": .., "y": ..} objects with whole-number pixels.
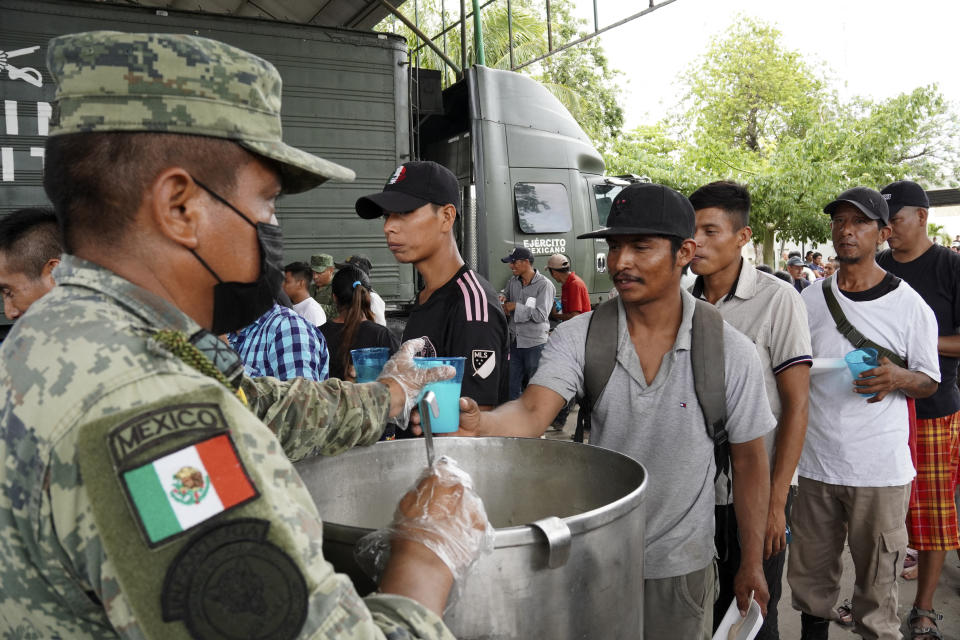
[{"x": 523, "y": 364}]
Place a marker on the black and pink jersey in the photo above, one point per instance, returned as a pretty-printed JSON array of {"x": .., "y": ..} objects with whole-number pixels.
[{"x": 464, "y": 318}]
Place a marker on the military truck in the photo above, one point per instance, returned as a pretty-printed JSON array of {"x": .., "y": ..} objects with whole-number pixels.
[{"x": 529, "y": 173}]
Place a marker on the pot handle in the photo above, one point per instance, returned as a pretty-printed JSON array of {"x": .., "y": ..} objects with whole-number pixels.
[{"x": 558, "y": 540}]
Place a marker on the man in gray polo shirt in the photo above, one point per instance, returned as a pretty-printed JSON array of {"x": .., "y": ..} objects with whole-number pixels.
[
  {"x": 529, "y": 301},
  {"x": 770, "y": 313},
  {"x": 649, "y": 411}
]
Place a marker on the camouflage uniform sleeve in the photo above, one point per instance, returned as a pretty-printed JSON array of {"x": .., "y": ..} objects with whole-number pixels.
[
  {"x": 256, "y": 560},
  {"x": 326, "y": 418}
]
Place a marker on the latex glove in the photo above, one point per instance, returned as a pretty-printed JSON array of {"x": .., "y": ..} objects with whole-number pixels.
[
  {"x": 405, "y": 378},
  {"x": 442, "y": 512}
]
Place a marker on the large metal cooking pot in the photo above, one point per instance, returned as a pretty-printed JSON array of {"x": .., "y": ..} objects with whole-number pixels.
[{"x": 569, "y": 519}]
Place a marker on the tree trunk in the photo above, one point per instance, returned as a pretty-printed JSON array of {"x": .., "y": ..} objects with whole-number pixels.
[{"x": 769, "y": 248}]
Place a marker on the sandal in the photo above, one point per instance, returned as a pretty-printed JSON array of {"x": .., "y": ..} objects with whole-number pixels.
[
  {"x": 925, "y": 633},
  {"x": 845, "y": 611},
  {"x": 911, "y": 558}
]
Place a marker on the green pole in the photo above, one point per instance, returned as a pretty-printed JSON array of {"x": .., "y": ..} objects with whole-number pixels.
[{"x": 478, "y": 34}]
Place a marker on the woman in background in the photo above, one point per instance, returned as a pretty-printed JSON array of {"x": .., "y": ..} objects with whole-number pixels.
[{"x": 354, "y": 326}]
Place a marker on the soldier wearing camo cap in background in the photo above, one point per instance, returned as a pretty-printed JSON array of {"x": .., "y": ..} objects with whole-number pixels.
[
  {"x": 140, "y": 497},
  {"x": 323, "y": 267}
]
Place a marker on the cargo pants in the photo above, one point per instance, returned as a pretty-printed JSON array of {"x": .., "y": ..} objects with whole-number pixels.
[
  {"x": 680, "y": 606},
  {"x": 872, "y": 521}
]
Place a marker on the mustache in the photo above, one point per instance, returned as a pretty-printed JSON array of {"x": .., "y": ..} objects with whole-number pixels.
[{"x": 620, "y": 275}]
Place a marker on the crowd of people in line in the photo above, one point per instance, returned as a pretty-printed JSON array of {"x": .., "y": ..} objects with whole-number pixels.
[{"x": 119, "y": 375}]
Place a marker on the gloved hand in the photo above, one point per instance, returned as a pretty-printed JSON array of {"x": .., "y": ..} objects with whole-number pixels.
[
  {"x": 409, "y": 379},
  {"x": 443, "y": 513}
]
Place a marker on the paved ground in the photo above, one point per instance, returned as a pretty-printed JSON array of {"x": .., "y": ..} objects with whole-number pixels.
[{"x": 947, "y": 598}]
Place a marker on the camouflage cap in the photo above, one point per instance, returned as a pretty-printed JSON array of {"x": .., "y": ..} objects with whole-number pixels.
[
  {"x": 111, "y": 81},
  {"x": 321, "y": 262}
]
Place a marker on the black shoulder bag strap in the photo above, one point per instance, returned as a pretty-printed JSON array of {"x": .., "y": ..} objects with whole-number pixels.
[
  {"x": 709, "y": 379},
  {"x": 857, "y": 339},
  {"x": 600, "y": 357}
]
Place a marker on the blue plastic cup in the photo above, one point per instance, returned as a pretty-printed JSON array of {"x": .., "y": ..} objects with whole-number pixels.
[
  {"x": 368, "y": 363},
  {"x": 860, "y": 360},
  {"x": 447, "y": 392}
]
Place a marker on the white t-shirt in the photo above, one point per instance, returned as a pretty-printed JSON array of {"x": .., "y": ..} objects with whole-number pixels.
[
  {"x": 850, "y": 442},
  {"x": 311, "y": 311},
  {"x": 379, "y": 308}
]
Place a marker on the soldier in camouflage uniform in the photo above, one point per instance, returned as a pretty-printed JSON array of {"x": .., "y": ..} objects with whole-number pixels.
[
  {"x": 146, "y": 486},
  {"x": 323, "y": 266}
]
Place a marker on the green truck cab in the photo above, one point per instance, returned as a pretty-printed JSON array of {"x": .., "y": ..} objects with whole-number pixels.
[{"x": 530, "y": 175}]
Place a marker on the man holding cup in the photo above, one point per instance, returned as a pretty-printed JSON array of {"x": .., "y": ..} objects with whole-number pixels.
[
  {"x": 457, "y": 309},
  {"x": 855, "y": 470}
]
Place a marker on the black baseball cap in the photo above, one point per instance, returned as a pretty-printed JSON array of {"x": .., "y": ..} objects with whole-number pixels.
[
  {"x": 412, "y": 185},
  {"x": 360, "y": 262},
  {"x": 870, "y": 202},
  {"x": 519, "y": 253},
  {"x": 648, "y": 209},
  {"x": 904, "y": 193}
]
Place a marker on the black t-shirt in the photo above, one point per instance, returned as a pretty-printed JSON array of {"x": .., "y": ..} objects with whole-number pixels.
[
  {"x": 935, "y": 275},
  {"x": 369, "y": 334},
  {"x": 464, "y": 318}
]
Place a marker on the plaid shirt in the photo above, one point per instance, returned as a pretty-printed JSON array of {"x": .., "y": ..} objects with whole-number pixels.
[{"x": 282, "y": 345}]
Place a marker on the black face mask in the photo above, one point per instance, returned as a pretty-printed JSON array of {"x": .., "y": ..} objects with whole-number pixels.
[{"x": 237, "y": 304}]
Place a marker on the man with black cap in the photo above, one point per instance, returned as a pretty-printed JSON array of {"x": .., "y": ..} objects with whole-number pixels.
[
  {"x": 529, "y": 299},
  {"x": 148, "y": 490},
  {"x": 649, "y": 410},
  {"x": 855, "y": 469},
  {"x": 934, "y": 272},
  {"x": 377, "y": 306},
  {"x": 457, "y": 309}
]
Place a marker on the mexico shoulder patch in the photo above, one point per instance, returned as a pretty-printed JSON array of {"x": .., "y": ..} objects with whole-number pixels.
[{"x": 177, "y": 491}]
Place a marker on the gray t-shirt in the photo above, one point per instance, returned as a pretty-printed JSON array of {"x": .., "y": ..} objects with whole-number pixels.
[{"x": 662, "y": 426}]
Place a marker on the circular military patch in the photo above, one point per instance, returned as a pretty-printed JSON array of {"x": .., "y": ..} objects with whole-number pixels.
[
  {"x": 247, "y": 591},
  {"x": 230, "y": 583}
]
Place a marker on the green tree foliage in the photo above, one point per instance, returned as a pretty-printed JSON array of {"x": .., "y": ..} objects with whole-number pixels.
[
  {"x": 580, "y": 77},
  {"x": 759, "y": 114}
]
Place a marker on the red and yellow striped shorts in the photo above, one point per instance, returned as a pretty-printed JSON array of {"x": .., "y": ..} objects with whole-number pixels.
[{"x": 932, "y": 515}]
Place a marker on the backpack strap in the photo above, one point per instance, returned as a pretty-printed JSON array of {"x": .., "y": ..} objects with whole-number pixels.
[
  {"x": 857, "y": 339},
  {"x": 709, "y": 378},
  {"x": 600, "y": 357}
]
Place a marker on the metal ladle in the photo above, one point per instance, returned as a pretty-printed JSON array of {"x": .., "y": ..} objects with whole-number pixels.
[{"x": 426, "y": 420}]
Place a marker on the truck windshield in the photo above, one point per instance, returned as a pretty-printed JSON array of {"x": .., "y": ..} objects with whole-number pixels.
[
  {"x": 542, "y": 207},
  {"x": 605, "y": 194}
]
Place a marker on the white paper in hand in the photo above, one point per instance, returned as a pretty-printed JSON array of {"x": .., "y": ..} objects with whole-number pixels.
[
  {"x": 733, "y": 627},
  {"x": 531, "y": 302}
]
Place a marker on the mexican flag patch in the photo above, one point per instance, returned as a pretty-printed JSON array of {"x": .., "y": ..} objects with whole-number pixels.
[{"x": 182, "y": 489}]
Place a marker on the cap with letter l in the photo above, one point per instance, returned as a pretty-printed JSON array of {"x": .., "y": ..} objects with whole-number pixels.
[
  {"x": 519, "y": 253},
  {"x": 648, "y": 209},
  {"x": 867, "y": 201},
  {"x": 904, "y": 193},
  {"x": 109, "y": 81},
  {"x": 409, "y": 187}
]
